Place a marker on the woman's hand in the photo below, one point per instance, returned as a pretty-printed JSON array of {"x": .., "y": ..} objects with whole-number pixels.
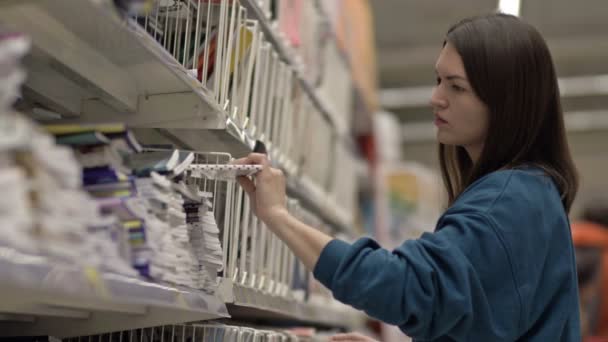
[
  {"x": 267, "y": 192},
  {"x": 352, "y": 337},
  {"x": 269, "y": 202}
]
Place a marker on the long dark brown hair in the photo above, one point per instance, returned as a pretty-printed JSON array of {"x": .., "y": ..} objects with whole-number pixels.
[{"x": 509, "y": 67}]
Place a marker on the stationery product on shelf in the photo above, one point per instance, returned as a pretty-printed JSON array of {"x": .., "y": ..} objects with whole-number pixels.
[
  {"x": 148, "y": 207},
  {"x": 184, "y": 238},
  {"x": 289, "y": 20},
  {"x": 315, "y": 34},
  {"x": 53, "y": 216},
  {"x": 13, "y": 46},
  {"x": 206, "y": 57},
  {"x": 16, "y": 210},
  {"x": 162, "y": 162},
  {"x": 98, "y": 146},
  {"x": 168, "y": 236},
  {"x": 226, "y": 172},
  {"x": 335, "y": 86},
  {"x": 47, "y": 211},
  {"x": 314, "y": 149},
  {"x": 102, "y": 150},
  {"x": 134, "y": 6}
]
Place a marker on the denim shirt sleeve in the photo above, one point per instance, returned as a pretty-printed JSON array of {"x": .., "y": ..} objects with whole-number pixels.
[{"x": 438, "y": 285}]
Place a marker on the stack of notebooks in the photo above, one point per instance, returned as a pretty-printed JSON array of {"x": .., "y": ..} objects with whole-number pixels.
[
  {"x": 13, "y": 47},
  {"x": 139, "y": 213},
  {"x": 184, "y": 238},
  {"x": 43, "y": 202},
  {"x": 137, "y": 190},
  {"x": 101, "y": 150},
  {"x": 169, "y": 259},
  {"x": 204, "y": 238},
  {"x": 15, "y": 206}
]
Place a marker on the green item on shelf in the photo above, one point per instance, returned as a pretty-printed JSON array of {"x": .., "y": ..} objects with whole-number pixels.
[{"x": 83, "y": 139}]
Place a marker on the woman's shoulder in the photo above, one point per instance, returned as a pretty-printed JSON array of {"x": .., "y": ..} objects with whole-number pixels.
[{"x": 519, "y": 189}]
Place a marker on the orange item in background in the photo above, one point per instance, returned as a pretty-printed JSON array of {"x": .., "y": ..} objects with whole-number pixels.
[{"x": 587, "y": 234}]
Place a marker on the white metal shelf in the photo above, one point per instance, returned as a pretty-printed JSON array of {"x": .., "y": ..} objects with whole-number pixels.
[
  {"x": 92, "y": 65},
  {"x": 61, "y": 300},
  {"x": 287, "y": 55},
  {"x": 246, "y": 303},
  {"x": 100, "y": 67},
  {"x": 314, "y": 198},
  {"x": 66, "y": 301}
]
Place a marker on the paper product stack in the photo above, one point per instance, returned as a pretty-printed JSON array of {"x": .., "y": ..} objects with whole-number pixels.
[
  {"x": 204, "y": 237},
  {"x": 43, "y": 209}
]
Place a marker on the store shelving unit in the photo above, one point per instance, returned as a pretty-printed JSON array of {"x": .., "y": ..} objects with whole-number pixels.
[
  {"x": 98, "y": 67},
  {"x": 92, "y": 65},
  {"x": 288, "y": 56},
  {"x": 314, "y": 198},
  {"x": 95, "y": 66},
  {"x": 247, "y": 303},
  {"x": 68, "y": 300}
]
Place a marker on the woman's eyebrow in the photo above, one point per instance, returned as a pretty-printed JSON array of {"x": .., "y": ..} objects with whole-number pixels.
[{"x": 452, "y": 77}]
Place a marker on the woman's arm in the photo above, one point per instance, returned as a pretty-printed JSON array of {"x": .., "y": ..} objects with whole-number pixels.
[
  {"x": 268, "y": 195},
  {"x": 458, "y": 281}
]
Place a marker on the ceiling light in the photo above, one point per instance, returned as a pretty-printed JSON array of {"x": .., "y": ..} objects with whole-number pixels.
[{"x": 509, "y": 6}]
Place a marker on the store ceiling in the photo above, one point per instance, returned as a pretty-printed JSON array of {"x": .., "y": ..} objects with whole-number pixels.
[{"x": 409, "y": 34}]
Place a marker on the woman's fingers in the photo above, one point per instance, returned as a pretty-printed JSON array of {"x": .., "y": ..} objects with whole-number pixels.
[
  {"x": 253, "y": 159},
  {"x": 247, "y": 184},
  {"x": 268, "y": 191}
]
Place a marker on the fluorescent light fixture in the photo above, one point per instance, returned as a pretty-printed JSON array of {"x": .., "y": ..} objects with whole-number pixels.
[{"x": 509, "y": 6}]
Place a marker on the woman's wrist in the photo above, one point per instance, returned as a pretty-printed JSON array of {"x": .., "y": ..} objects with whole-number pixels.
[{"x": 277, "y": 218}]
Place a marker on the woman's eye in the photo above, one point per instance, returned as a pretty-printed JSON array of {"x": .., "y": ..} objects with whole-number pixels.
[
  {"x": 457, "y": 88},
  {"x": 438, "y": 80}
]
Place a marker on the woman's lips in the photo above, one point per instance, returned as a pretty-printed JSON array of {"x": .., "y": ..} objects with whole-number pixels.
[{"x": 439, "y": 121}]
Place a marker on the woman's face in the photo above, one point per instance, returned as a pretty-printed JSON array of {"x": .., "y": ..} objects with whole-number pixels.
[{"x": 460, "y": 116}]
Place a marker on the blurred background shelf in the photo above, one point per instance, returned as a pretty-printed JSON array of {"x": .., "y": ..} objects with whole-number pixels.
[{"x": 317, "y": 200}]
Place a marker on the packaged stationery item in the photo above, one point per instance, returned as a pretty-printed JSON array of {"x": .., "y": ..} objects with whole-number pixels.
[
  {"x": 134, "y": 7},
  {"x": 13, "y": 46},
  {"x": 227, "y": 172}
]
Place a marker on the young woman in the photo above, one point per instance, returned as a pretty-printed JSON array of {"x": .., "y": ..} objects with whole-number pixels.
[{"x": 500, "y": 264}]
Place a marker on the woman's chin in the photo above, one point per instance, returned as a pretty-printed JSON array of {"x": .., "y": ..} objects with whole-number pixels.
[{"x": 446, "y": 139}]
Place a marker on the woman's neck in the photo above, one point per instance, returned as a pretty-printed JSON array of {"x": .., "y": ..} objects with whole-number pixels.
[{"x": 474, "y": 152}]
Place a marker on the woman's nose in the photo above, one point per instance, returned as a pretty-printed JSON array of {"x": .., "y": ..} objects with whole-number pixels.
[{"x": 437, "y": 101}]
